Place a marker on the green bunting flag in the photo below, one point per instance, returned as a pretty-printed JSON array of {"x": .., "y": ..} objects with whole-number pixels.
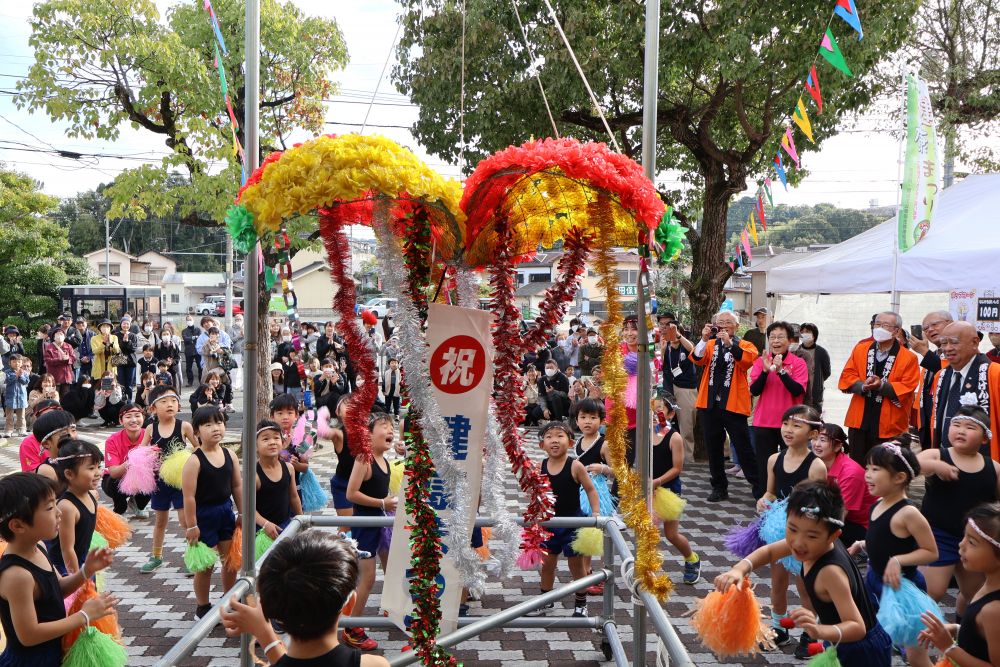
[{"x": 831, "y": 52}]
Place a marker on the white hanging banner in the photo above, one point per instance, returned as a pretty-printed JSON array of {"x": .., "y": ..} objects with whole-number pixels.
[{"x": 461, "y": 372}]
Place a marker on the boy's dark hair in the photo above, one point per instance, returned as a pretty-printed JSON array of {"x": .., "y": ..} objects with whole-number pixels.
[
  {"x": 987, "y": 519},
  {"x": 207, "y": 414},
  {"x": 589, "y": 406},
  {"x": 161, "y": 390},
  {"x": 556, "y": 426},
  {"x": 784, "y": 326},
  {"x": 377, "y": 418},
  {"x": 328, "y": 362},
  {"x": 51, "y": 421},
  {"x": 819, "y": 500},
  {"x": 305, "y": 581},
  {"x": 885, "y": 456},
  {"x": 163, "y": 363},
  {"x": 805, "y": 413},
  {"x": 73, "y": 454},
  {"x": 836, "y": 434},
  {"x": 147, "y": 347},
  {"x": 16, "y": 357},
  {"x": 283, "y": 402},
  {"x": 20, "y": 495}
]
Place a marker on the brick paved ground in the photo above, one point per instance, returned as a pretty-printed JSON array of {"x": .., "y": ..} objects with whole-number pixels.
[{"x": 157, "y": 609}]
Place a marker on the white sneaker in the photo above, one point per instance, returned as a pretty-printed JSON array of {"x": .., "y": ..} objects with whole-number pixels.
[
  {"x": 130, "y": 507},
  {"x": 734, "y": 470}
]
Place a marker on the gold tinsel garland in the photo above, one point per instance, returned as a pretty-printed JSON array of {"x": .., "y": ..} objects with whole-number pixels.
[{"x": 632, "y": 505}]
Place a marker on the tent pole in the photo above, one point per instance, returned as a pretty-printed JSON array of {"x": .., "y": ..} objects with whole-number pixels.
[
  {"x": 894, "y": 295},
  {"x": 250, "y": 288}
]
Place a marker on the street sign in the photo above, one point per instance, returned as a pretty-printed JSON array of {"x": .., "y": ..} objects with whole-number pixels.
[{"x": 626, "y": 290}]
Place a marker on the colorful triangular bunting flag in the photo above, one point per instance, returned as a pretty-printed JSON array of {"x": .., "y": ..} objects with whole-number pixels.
[
  {"x": 732, "y": 265},
  {"x": 801, "y": 118},
  {"x": 760, "y": 212},
  {"x": 812, "y": 85},
  {"x": 846, "y": 10},
  {"x": 767, "y": 191},
  {"x": 752, "y": 226},
  {"x": 746, "y": 245},
  {"x": 831, "y": 52},
  {"x": 788, "y": 143},
  {"x": 779, "y": 167},
  {"x": 739, "y": 256}
]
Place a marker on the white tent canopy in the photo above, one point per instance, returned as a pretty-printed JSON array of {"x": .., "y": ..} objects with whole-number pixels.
[{"x": 961, "y": 250}]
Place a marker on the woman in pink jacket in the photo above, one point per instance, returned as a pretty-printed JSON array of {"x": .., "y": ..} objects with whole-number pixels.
[{"x": 59, "y": 357}]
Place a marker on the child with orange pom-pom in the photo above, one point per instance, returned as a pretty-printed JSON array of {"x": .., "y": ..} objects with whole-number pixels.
[{"x": 844, "y": 615}]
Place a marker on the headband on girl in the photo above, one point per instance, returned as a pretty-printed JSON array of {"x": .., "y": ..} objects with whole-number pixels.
[
  {"x": 967, "y": 418},
  {"x": 269, "y": 428},
  {"x": 58, "y": 430},
  {"x": 817, "y": 424},
  {"x": 69, "y": 457},
  {"x": 815, "y": 514},
  {"x": 982, "y": 534},
  {"x": 898, "y": 451}
]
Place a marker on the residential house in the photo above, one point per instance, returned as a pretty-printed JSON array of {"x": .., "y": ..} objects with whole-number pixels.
[{"x": 120, "y": 268}]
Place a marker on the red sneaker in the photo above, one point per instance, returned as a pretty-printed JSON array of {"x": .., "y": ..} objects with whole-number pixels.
[
  {"x": 596, "y": 589},
  {"x": 356, "y": 638}
]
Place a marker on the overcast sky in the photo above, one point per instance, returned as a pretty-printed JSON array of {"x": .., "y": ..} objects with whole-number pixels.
[{"x": 854, "y": 169}]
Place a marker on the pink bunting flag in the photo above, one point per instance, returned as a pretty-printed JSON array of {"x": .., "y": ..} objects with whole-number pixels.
[
  {"x": 732, "y": 266},
  {"x": 812, "y": 85},
  {"x": 788, "y": 143},
  {"x": 746, "y": 245},
  {"x": 846, "y": 10}
]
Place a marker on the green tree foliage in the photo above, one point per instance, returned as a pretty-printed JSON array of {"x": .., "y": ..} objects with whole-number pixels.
[
  {"x": 34, "y": 253},
  {"x": 84, "y": 217},
  {"x": 791, "y": 226},
  {"x": 101, "y": 66},
  {"x": 729, "y": 75}
]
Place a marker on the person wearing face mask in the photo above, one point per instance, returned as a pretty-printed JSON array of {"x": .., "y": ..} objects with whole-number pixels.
[
  {"x": 84, "y": 353},
  {"x": 190, "y": 335},
  {"x": 59, "y": 357},
  {"x": 795, "y": 348},
  {"x": 146, "y": 336},
  {"x": 237, "y": 334},
  {"x": 553, "y": 392},
  {"x": 590, "y": 353},
  {"x": 808, "y": 334},
  {"x": 287, "y": 356},
  {"x": 881, "y": 376}
]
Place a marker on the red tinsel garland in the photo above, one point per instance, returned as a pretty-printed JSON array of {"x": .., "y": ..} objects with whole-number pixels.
[
  {"x": 571, "y": 266},
  {"x": 361, "y": 354},
  {"x": 509, "y": 397}
]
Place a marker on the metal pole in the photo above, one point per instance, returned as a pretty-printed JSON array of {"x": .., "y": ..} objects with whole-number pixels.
[
  {"x": 894, "y": 293},
  {"x": 649, "y": 96},
  {"x": 107, "y": 254},
  {"x": 250, "y": 287},
  {"x": 229, "y": 283}
]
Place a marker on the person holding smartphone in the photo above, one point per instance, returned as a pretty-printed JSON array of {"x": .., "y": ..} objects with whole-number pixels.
[
  {"x": 108, "y": 400},
  {"x": 921, "y": 337},
  {"x": 104, "y": 347}
]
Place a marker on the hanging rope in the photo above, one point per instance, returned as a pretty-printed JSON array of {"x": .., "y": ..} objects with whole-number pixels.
[
  {"x": 583, "y": 77},
  {"x": 461, "y": 102},
  {"x": 538, "y": 78},
  {"x": 385, "y": 65}
]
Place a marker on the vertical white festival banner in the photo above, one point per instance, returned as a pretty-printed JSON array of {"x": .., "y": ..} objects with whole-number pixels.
[{"x": 461, "y": 375}]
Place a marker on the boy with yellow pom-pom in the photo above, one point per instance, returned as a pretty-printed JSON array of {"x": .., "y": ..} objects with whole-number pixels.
[
  {"x": 168, "y": 433},
  {"x": 566, "y": 476},
  {"x": 668, "y": 463}
]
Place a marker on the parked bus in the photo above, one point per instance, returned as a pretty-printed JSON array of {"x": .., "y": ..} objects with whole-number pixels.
[{"x": 96, "y": 302}]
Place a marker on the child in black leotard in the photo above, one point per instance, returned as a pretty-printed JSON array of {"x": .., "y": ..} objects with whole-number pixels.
[
  {"x": 566, "y": 476},
  {"x": 368, "y": 489},
  {"x": 277, "y": 494},
  {"x": 844, "y": 615},
  {"x": 32, "y": 612},
  {"x": 306, "y": 584},
  {"x": 345, "y": 461},
  {"x": 79, "y": 468},
  {"x": 591, "y": 450},
  {"x": 976, "y": 642},
  {"x": 668, "y": 464},
  {"x": 792, "y": 464},
  {"x": 898, "y": 537},
  {"x": 959, "y": 477},
  {"x": 211, "y": 484},
  {"x": 284, "y": 411},
  {"x": 51, "y": 429}
]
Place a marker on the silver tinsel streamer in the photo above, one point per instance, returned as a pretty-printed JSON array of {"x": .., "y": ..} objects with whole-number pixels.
[
  {"x": 415, "y": 357},
  {"x": 496, "y": 466}
]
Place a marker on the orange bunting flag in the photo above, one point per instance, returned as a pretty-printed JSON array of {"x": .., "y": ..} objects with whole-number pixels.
[
  {"x": 801, "y": 118},
  {"x": 760, "y": 211},
  {"x": 812, "y": 85},
  {"x": 752, "y": 226},
  {"x": 788, "y": 143}
]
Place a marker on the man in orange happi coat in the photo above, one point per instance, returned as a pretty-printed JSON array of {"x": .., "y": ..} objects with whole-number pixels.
[
  {"x": 882, "y": 376},
  {"x": 970, "y": 378}
]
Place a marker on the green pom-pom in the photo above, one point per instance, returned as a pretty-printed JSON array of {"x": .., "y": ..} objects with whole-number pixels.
[
  {"x": 670, "y": 236},
  {"x": 589, "y": 542},
  {"x": 97, "y": 541},
  {"x": 200, "y": 557},
  {"x": 261, "y": 544},
  {"x": 93, "y": 648},
  {"x": 827, "y": 658},
  {"x": 239, "y": 222},
  {"x": 270, "y": 277},
  {"x": 173, "y": 467}
]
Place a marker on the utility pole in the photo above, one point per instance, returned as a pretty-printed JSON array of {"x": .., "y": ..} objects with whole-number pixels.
[{"x": 107, "y": 251}]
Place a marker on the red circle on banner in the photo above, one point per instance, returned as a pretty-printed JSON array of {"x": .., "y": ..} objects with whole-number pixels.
[{"x": 458, "y": 364}]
